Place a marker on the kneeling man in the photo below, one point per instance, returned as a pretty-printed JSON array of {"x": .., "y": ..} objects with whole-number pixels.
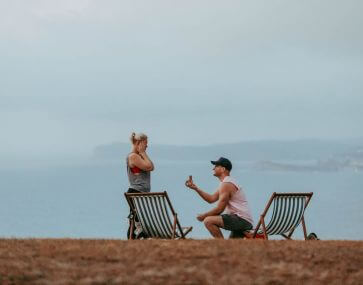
[{"x": 232, "y": 212}]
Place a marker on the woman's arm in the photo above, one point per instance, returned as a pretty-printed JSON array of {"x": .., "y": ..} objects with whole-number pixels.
[
  {"x": 147, "y": 160},
  {"x": 141, "y": 161}
]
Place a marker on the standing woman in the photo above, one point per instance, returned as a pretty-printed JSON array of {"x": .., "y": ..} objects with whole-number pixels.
[{"x": 139, "y": 166}]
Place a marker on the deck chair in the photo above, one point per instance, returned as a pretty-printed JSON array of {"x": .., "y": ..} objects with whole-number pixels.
[
  {"x": 156, "y": 215},
  {"x": 288, "y": 212}
]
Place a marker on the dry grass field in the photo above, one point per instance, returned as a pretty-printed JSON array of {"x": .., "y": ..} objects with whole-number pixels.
[{"x": 70, "y": 261}]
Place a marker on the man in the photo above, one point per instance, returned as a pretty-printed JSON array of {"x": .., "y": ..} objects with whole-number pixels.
[{"x": 232, "y": 212}]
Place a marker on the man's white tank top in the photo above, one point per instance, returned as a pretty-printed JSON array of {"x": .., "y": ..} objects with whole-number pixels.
[{"x": 238, "y": 204}]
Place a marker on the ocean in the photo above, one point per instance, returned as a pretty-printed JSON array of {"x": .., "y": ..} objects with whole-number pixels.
[{"x": 85, "y": 199}]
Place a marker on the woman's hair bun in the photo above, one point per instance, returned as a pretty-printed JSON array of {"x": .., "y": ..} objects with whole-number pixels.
[{"x": 137, "y": 137}]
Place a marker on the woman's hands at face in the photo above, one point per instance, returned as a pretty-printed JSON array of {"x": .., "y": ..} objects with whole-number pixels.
[{"x": 142, "y": 146}]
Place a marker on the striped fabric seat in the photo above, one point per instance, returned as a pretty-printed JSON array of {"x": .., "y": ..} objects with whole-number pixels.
[
  {"x": 156, "y": 215},
  {"x": 287, "y": 214}
]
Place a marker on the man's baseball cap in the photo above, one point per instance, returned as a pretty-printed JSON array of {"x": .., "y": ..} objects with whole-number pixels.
[{"x": 222, "y": 161}]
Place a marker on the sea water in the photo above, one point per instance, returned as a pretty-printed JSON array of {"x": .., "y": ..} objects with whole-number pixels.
[{"x": 86, "y": 199}]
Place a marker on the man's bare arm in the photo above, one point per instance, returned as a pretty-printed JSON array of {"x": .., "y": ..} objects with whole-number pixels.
[
  {"x": 224, "y": 197},
  {"x": 204, "y": 195},
  {"x": 222, "y": 203}
]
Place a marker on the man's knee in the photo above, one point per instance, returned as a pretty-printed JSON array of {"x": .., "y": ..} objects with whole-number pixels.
[
  {"x": 208, "y": 221},
  {"x": 212, "y": 221}
]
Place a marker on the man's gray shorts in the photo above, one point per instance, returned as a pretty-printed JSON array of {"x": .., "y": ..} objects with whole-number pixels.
[{"x": 236, "y": 225}]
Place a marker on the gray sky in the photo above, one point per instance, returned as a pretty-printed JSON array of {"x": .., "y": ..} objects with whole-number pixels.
[{"x": 78, "y": 73}]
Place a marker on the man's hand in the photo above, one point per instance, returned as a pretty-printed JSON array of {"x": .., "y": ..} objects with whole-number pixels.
[
  {"x": 190, "y": 184},
  {"x": 201, "y": 217}
]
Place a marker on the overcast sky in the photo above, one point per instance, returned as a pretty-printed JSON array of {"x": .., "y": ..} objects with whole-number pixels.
[{"x": 78, "y": 73}]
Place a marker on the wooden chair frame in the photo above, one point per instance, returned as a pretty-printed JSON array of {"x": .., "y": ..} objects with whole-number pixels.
[
  {"x": 274, "y": 197},
  {"x": 153, "y": 209}
]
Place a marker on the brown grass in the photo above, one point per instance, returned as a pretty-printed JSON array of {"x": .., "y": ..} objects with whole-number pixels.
[{"x": 69, "y": 261}]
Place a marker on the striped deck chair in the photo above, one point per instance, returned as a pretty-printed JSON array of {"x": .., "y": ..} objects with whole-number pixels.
[
  {"x": 156, "y": 215},
  {"x": 288, "y": 212}
]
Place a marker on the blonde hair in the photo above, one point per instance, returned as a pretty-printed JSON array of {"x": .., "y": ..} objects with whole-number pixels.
[{"x": 137, "y": 137}]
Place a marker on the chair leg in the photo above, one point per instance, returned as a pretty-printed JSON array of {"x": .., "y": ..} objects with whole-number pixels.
[
  {"x": 264, "y": 228},
  {"x": 174, "y": 227},
  {"x": 256, "y": 229},
  {"x": 187, "y": 232},
  {"x": 304, "y": 228},
  {"x": 132, "y": 228},
  {"x": 285, "y": 236},
  {"x": 290, "y": 233}
]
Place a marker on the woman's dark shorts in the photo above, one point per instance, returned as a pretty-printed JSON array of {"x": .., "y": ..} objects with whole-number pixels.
[{"x": 236, "y": 225}]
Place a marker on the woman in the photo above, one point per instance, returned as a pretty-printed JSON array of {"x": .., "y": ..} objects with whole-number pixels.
[{"x": 139, "y": 166}]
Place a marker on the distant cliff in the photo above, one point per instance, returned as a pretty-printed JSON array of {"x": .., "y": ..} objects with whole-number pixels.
[{"x": 318, "y": 150}]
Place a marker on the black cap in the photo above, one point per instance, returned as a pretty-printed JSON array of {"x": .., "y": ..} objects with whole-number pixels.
[{"x": 222, "y": 161}]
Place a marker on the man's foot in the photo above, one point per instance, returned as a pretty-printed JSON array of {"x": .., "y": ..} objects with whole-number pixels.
[{"x": 248, "y": 234}]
